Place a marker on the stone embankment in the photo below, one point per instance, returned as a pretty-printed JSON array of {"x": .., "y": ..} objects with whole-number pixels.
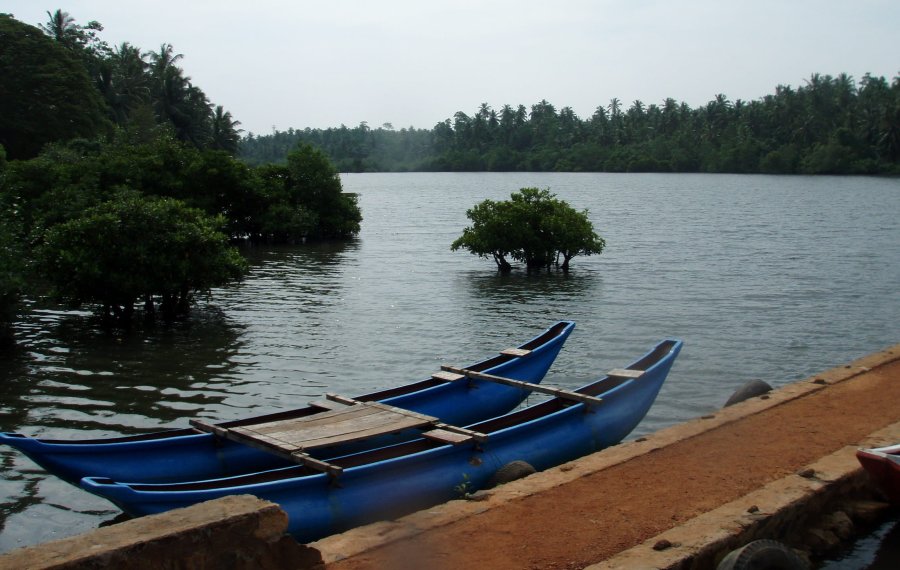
[{"x": 778, "y": 466}]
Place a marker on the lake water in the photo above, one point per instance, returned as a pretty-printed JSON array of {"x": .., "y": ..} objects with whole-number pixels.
[{"x": 764, "y": 277}]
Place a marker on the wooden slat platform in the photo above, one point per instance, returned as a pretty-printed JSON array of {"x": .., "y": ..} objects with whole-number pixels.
[
  {"x": 343, "y": 420},
  {"x": 351, "y": 423}
]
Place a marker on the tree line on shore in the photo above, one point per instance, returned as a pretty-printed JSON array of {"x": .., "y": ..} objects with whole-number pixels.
[
  {"x": 120, "y": 190},
  {"x": 829, "y": 125}
]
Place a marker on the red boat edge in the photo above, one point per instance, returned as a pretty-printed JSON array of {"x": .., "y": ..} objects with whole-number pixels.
[{"x": 883, "y": 466}]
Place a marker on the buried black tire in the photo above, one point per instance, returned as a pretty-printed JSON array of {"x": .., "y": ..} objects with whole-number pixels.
[
  {"x": 749, "y": 390},
  {"x": 763, "y": 554},
  {"x": 510, "y": 472}
]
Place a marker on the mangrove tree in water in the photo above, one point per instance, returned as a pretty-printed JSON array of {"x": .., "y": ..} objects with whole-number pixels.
[
  {"x": 137, "y": 248},
  {"x": 533, "y": 227}
]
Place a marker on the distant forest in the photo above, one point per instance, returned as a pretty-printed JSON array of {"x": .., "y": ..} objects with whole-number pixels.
[{"x": 830, "y": 125}]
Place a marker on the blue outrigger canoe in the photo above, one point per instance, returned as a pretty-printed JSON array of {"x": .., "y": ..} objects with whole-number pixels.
[
  {"x": 390, "y": 481},
  {"x": 190, "y": 454}
]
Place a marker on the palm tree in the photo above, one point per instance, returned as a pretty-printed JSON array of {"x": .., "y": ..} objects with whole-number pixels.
[
  {"x": 177, "y": 101},
  {"x": 615, "y": 107},
  {"x": 124, "y": 81},
  {"x": 61, "y": 27},
  {"x": 224, "y": 134},
  {"x": 164, "y": 59},
  {"x": 615, "y": 119},
  {"x": 669, "y": 120}
]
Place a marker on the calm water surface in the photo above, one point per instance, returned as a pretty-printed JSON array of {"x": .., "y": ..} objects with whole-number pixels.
[{"x": 763, "y": 277}]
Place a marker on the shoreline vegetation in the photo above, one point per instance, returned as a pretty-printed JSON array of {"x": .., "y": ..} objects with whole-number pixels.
[
  {"x": 118, "y": 181},
  {"x": 829, "y": 125}
]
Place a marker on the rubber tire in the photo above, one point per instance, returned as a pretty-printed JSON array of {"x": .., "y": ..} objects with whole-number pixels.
[
  {"x": 749, "y": 390},
  {"x": 763, "y": 555},
  {"x": 510, "y": 472}
]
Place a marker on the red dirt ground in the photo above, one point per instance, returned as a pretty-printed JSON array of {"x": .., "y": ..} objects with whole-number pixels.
[{"x": 600, "y": 515}]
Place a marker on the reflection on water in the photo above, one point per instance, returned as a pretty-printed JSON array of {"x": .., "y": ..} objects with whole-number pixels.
[
  {"x": 523, "y": 287},
  {"x": 763, "y": 277},
  {"x": 74, "y": 375}
]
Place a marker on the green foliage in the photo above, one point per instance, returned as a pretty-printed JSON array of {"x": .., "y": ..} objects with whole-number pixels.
[
  {"x": 46, "y": 94},
  {"x": 122, "y": 186},
  {"x": 313, "y": 184},
  {"x": 11, "y": 265},
  {"x": 135, "y": 248},
  {"x": 116, "y": 223},
  {"x": 533, "y": 227},
  {"x": 464, "y": 489},
  {"x": 829, "y": 125},
  {"x": 305, "y": 200},
  {"x": 491, "y": 233},
  {"x": 359, "y": 149},
  {"x": 67, "y": 83}
]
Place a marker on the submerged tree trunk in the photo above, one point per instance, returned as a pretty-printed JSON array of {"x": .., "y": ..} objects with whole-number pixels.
[{"x": 502, "y": 265}]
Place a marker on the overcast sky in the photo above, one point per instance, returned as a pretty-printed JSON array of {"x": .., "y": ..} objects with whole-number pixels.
[{"x": 300, "y": 63}]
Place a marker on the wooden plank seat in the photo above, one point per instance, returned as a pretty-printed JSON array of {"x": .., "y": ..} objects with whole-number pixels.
[
  {"x": 343, "y": 420},
  {"x": 446, "y": 433},
  {"x": 625, "y": 373},
  {"x": 558, "y": 392},
  {"x": 515, "y": 351},
  {"x": 447, "y": 376}
]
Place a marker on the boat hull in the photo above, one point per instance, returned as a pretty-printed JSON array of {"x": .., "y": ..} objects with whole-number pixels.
[
  {"x": 188, "y": 455},
  {"x": 883, "y": 466},
  {"x": 418, "y": 474}
]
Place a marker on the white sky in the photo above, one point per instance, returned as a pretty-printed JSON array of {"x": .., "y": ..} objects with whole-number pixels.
[{"x": 302, "y": 63}]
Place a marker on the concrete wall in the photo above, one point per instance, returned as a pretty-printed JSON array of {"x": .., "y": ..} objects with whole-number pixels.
[{"x": 232, "y": 533}]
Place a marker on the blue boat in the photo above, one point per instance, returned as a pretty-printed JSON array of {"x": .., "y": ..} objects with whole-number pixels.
[
  {"x": 331, "y": 495},
  {"x": 192, "y": 454}
]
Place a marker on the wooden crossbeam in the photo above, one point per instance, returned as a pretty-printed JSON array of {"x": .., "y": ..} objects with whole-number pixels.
[
  {"x": 327, "y": 405},
  {"x": 515, "y": 352},
  {"x": 557, "y": 392},
  {"x": 471, "y": 434},
  {"x": 625, "y": 373},
  {"x": 308, "y": 461},
  {"x": 446, "y": 436},
  {"x": 347, "y": 401},
  {"x": 208, "y": 428},
  {"x": 445, "y": 376}
]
